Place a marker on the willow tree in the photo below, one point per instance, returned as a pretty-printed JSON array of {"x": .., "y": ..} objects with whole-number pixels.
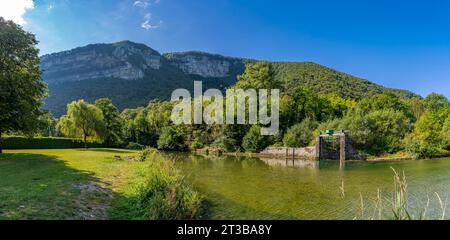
[
  {"x": 21, "y": 86},
  {"x": 113, "y": 122},
  {"x": 83, "y": 120}
]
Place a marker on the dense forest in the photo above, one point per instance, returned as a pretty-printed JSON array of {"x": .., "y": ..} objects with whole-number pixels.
[{"x": 381, "y": 123}]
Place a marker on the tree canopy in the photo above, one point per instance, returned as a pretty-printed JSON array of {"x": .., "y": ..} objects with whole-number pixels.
[
  {"x": 21, "y": 86},
  {"x": 113, "y": 122},
  {"x": 83, "y": 120}
]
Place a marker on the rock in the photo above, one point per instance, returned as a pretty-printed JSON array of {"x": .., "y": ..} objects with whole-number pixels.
[
  {"x": 123, "y": 60},
  {"x": 204, "y": 64}
]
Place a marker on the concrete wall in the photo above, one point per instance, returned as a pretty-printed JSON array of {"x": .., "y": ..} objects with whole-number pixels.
[
  {"x": 309, "y": 152},
  {"x": 343, "y": 149}
]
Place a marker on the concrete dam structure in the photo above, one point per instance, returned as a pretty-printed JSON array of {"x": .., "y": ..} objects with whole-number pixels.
[{"x": 329, "y": 146}]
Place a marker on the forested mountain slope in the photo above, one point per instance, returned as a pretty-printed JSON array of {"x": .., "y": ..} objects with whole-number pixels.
[{"x": 132, "y": 74}]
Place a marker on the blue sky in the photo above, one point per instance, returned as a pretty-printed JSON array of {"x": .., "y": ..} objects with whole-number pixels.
[{"x": 401, "y": 44}]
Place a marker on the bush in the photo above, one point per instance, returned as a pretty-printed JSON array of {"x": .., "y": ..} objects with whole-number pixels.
[
  {"x": 420, "y": 148},
  {"x": 165, "y": 195},
  {"x": 172, "y": 139},
  {"x": 253, "y": 141},
  {"x": 300, "y": 135},
  {"x": 428, "y": 137},
  {"x": 20, "y": 142},
  {"x": 377, "y": 132},
  {"x": 144, "y": 154},
  {"x": 135, "y": 146},
  {"x": 197, "y": 144},
  {"x": 445, "y": 134}
]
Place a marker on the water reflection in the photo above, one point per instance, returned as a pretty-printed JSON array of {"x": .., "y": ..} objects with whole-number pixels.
[
  {"x": 291, "y": 163},
  {"x": 268, "y": 188}
]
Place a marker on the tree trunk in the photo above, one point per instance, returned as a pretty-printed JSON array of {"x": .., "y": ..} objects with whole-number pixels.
[{"x": 85, "y": 142}]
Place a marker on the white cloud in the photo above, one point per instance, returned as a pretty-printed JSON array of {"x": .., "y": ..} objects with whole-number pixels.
[
  {"x": 147, "y": 25},
  {"x": 15, "y": 9},
  {"x": 142, "y": 4}
]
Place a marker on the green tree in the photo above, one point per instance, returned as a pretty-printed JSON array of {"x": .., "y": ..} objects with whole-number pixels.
[
  {"x": 435, "y": 102},
  {"x": 445, "y": 134},
  {"x": 128, "y": 128},
  {"x": 83, "y": 120},
  {"x": 172, "y": 138},
  {"x": 299, "y": 104},
  {"x": 388, "y": 128},
  {"x": 232, "y": 137},
  {"x": 301, "y": 134},
  {"x": 21, "y": 87},
  {"x": 47, "y": 125},
  {"x": 335, "y": 106},
  {"x": 253, "y": 141},
  {"x": 384, "y": 102},
  {"x": 113, "y": 122},
  {"x": 141, "y": 126},
  {"x": 417, "y": 107},
  {"x": 375, "y": 132},
  {"x": 260, "y": 75},
  {"x": 426, "y": 139},
  {"x": 158, "y": 117}
]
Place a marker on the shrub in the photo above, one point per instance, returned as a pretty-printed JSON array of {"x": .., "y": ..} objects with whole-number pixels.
[
  {"x": 172, "y": 139},
  {"x": 21, "y": 142},
  {"x": 144, "y": 154},
  {"x": 225, "y": 144},
  {"x": 418, "y": 147},
  {"x": 427, "y": 139},
  {"x": 253, "y": 141},
  {"x": 300, "y": 135},
  {"x": 445, "y": 134},
  {"x": 380, "y": 131},
  {"x": 197, "y": 144},
  {"x": 135, "y": 146},
  {"x": 165, "y": 195}
]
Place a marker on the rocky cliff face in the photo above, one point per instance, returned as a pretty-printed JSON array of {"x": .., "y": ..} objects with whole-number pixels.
[
  {"x": 130, "y": 61},
  {"x": 129, "y": 73},
  {"x": 124, "y": 60},
  {"x": 204, "y": 64}
]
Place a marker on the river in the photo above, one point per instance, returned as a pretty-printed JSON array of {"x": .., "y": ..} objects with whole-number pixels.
[{"x": 258, "y": 188}]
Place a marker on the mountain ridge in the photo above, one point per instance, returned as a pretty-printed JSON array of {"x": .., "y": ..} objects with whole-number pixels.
[{"x": 132, "y": 74}]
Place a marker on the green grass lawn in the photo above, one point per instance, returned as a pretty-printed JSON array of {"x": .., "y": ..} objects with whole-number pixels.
[{"x": 67, "y": 183}]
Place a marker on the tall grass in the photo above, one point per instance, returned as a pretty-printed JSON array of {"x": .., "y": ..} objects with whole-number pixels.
[
  {"x": 398, "y": 206},
  {"x": 164, "y": 194},
  {"x": 400, "y": 201}
]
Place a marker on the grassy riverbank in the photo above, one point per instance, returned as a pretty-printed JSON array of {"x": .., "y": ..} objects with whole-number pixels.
[{"x": 90, "y": 184}]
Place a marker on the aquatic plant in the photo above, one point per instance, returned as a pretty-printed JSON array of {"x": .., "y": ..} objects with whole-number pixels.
[
  {"x": 165, "y": 194},
  {"x": 398, "y": 205}
]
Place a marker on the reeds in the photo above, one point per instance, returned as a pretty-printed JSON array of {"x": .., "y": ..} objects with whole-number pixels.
[
  {"x": 400, "y": 201},
  {"x": 398, "y": 205}
]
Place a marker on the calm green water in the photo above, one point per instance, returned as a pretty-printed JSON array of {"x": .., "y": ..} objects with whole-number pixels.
[{"x": 253, "y": 188}]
